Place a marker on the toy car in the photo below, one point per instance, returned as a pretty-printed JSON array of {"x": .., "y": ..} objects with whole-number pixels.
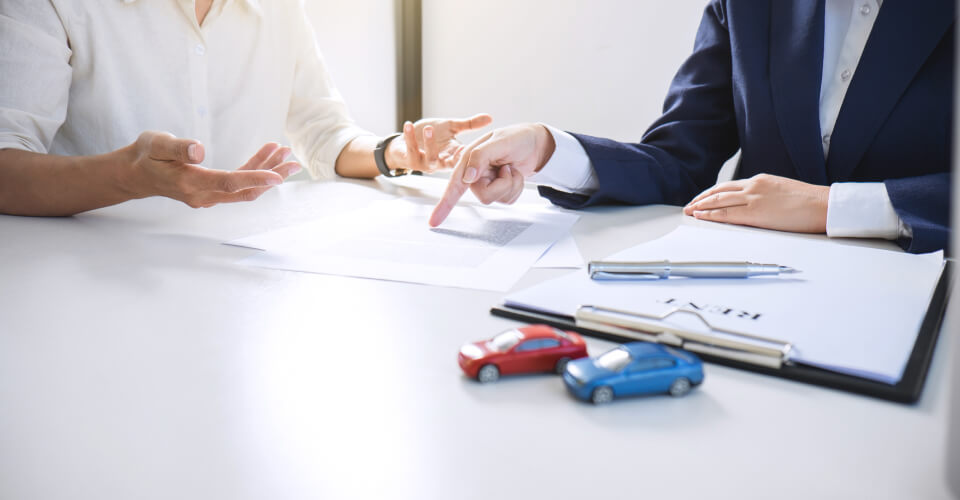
[
  {"x": 534, "y": 348},
  {"x": 634, "y": 368}
]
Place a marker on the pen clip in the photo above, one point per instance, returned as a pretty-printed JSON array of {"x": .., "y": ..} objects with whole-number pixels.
[{"x": 627, "y": 271}]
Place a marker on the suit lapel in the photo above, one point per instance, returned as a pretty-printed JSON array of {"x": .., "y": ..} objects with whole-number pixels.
[
  {"x": 796, "y": 62},
  {"x": 903, "y": 36}
]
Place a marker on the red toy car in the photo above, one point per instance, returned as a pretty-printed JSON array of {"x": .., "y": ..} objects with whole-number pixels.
[{"x": 534, "y": 348}]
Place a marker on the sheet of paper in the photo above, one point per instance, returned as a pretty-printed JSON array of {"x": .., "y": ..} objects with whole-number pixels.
[
  {"x": 475, "y": 248},
  {"x": 564, "y": 254},
  {"x": 852, "y": 309}
]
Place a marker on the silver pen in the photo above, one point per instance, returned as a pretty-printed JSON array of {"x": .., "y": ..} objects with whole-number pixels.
[{"x": 633, "y": 271}]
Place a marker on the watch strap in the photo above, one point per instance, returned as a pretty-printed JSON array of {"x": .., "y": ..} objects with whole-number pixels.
[{"x": 379, "y": 156}]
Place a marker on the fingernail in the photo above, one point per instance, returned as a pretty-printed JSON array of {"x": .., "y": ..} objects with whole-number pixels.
[
  {"x": 428, "y": 132},
  {"x": 470, "y": 175},
  {"x": 192, "y": 153},
  {"x": 273, "y": 181},
  {"x": 295, "y": 169},
  {"x": 699, "y": 213}
]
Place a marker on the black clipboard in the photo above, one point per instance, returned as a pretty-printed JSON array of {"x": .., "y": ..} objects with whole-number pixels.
[{"x": 908, "y": 390}]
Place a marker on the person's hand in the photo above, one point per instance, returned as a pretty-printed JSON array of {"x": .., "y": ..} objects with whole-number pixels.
[
  {"x": 494, "y": 166},
  {"x": 766, "y": 201},
  {"x": 163, "y": 165},
  {"x": 431, "y": 144}
]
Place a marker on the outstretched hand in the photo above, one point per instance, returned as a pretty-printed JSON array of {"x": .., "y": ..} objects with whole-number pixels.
[
  {"x": 431, "y": 144},
  {"x": 165, "y": 165},
  {"x": 494, "y": 167}
]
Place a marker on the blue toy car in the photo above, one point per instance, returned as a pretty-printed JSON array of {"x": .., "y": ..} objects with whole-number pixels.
[{"x": 634, "y": 368}]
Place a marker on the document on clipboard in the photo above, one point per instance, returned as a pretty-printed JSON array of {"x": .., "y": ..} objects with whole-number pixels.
[{"x": 852, "y": 310}]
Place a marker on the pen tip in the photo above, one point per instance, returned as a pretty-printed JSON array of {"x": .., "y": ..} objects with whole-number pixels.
[{"x": 788, "y": 270}]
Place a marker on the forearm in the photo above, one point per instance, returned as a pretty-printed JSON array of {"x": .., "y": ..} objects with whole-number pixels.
[
  {"x": 47, "y": 185},
  {"x": 356, "y": 159}
]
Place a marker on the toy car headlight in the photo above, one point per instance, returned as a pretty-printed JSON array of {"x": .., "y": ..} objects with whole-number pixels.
[
  {"x": 471, "y": 351},
  {"x": 575, "y": 375}
]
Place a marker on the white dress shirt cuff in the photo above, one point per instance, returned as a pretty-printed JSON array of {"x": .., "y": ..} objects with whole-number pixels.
[
  {"x": 862, "y": 210},
  {"x": 569, "y": 169}
]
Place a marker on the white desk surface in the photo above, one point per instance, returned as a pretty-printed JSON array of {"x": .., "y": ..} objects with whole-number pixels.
[{"x": 139, "y": 360}]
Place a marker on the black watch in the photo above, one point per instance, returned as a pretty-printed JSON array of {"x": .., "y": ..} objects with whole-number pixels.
[{"x": 380, "y": 158}]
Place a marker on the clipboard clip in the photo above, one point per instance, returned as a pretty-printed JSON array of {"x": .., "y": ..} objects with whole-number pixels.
[{"x": 720, "y": 342}]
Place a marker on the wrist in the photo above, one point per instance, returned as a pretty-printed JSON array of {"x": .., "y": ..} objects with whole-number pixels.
[
  {"x": 823, "y": 199},
  {"x": 125, "y": 173},
  {"x": 544, "y": 145},
  {"x": 395, "y": 155}
]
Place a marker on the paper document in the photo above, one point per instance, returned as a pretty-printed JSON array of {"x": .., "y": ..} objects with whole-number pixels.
[
  {"x": 853, "y": 310},
  {"x": 563, "y": 254},
  {"x": 477, "y": 247}
]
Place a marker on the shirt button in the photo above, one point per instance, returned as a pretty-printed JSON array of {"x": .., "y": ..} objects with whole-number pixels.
[
  {"x": 200, "y": 49},
  {"x": 826, "y": 139},
  {"x": 845, "y": 75},
  {"x": 865, "y": 9},
  {"x": 202, "y": 111}
]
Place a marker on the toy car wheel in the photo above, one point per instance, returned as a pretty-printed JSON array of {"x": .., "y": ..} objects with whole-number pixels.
[
  {"x": 561, "y": 365},
  {"x": 679, "y": 387},
  {"x": 602, "y": 395},
  {"x": 488, "y": 373}
]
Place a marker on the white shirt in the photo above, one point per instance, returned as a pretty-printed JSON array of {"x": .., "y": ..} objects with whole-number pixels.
[
  {"x": 83, "y": 77},
  {"x": 854, "y": 209}
]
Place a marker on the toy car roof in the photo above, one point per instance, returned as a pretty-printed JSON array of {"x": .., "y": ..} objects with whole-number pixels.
[
  {"x": 646, "y": 349},
  {"x": 542, "y": 331}
]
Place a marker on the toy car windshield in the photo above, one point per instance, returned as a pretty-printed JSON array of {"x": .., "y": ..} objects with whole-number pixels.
[
  {"x": 505, "y": 341},
  {"x": 614, "y": 360}
]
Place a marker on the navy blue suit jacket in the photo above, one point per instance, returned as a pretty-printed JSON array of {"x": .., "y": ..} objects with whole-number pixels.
[{"x": 753, "y": 84}]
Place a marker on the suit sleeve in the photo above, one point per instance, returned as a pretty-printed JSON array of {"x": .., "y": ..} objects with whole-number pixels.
[
  {"x": 923, "y": 204},
  {"x": 681, "y": 154}
]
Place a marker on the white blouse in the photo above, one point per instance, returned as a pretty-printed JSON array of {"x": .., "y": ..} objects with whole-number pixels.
[{"x": 83, "y": 77}]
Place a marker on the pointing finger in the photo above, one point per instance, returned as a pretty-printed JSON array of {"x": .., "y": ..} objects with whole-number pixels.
[
  {"x": 474, "y": 122},
  {"x": 459, "y": 183},
  {"x": 451, "y": 195}
]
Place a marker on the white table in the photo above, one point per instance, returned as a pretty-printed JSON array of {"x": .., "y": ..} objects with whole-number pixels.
[{"x": 138, "y": 359}]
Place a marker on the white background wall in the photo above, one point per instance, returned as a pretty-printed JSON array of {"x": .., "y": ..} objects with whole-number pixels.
[
  {"x": 594, "y": 66},
  {"x": 600, "y": 67},
  {"x": 357, "y": 41}
]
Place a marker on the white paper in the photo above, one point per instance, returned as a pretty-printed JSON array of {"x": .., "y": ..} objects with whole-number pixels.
[
  {"x": 564, "y": 254},
  {"x": 476, "y": 247},
  {"x": 852, "y": 309}
]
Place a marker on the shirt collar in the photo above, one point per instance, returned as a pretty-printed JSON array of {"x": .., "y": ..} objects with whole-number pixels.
[{"x": 253, "y": 5}]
